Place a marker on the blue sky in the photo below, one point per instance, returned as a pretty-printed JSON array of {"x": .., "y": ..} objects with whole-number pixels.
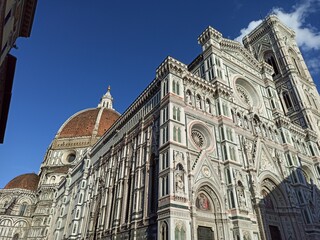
[{"x": 77, "y": 49}]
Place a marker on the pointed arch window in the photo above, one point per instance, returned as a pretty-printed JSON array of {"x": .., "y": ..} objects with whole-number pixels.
[
  {"x": 296, "y": 62},
  {"x": 176, "y": 87},
  {"x": 270, "y": 59},
  {"x": 180, "y": 232},
  {"x": 23, "y": 208},
  {"x": 287, "y": 99},
  {"x": 164, "y": 231},
  {"x": 176, "y": 134},
  {"x": 228, "y": 176},
  {"x": 176, "y": 113}
]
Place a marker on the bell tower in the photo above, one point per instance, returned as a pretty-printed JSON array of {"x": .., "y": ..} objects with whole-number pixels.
[{"x": 275, "y": 44}]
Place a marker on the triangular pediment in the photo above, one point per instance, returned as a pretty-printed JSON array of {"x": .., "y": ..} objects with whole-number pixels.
[
  {"x": 205, "y": 170},
  {"x": 236, "y": 53},
  {"x": 264, "y": 161}
]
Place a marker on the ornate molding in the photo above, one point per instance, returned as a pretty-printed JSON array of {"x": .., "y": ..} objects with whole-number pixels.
[
  {"x": 170, "y": 65},
  {"x": 209, "y": 33}
]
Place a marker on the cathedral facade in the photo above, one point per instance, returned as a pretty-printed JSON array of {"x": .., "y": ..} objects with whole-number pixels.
[{"x": 226, "y": 147}]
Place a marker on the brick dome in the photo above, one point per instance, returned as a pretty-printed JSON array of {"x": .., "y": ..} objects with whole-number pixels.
[
  {"x": 88, "y": 123},
  {"x": 27, "y": 181}
]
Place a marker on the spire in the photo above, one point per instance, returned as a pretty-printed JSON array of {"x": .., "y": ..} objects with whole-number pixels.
[{"x": 106, "y": 100}]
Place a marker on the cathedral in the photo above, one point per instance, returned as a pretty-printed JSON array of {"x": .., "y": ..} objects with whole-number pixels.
[{"x": 223, "y": 148}]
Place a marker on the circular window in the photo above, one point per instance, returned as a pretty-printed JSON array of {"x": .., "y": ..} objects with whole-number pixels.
[
  {"x": 71, "y": 157},
  {"x": 243, "y": 94},
  {"x": 201, "y": 137},
  {"x": 198, "y": 138},
  {"x": 246, "y": 93}
]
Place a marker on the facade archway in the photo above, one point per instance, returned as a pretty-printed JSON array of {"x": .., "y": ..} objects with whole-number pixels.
[
  {"x": 274, "y": 222},
  {"x": 209, "y": 217}
]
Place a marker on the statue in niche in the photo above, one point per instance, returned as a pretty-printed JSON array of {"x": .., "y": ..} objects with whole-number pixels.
[
  {"x": 179, "y": 182},
  {"x": 241, "y": 196},
  {"x": 198, "y": 102},
  {"x": 248, "y": 148},
  {"x": 208, "y": 107},
  {"x": 203, "y": 202},
  {"x": 239, "y": 120},
  {"x": 188, "y": 97},
  {"x": 246, "y": 236}
]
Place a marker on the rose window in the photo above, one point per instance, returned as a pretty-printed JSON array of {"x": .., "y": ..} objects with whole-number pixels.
[
  {"x": 198, "y": 138},
  {"x": 243, "y": 94}
]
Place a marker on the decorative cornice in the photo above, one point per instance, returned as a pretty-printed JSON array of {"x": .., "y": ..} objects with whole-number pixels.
[
  {"x": 209, "y": 33},
  {"x": 18, "y": 191},
  {"x": 170, "y": 65},
  {"x": 266, "y": 68},
  {"x": 298, "y": 131},
  {"x": 281, "y": 121},
  {"x": 311, "y": 135},
  {"x": 215, "y": 87},
  {"x": 27, "y": 18}
]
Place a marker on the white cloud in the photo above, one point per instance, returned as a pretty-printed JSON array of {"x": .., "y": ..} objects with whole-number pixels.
[
  {"x": 307, "y": 37},
  {"x": 244, "y": 31}
]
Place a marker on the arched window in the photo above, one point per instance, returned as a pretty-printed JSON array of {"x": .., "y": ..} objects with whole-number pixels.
[
  {"x": 228, "y": 176},
  {"x": 269, "y": 58},
  {"x": 179, "y": 232},
  {"x": 164, "y": 88},
  {"x": 287, "y": 100},
  {"x": 176, "y": 134},
  {"x": 296, "y": 62},
  {"x": 75, "y": 225},
  {"x": 164, "y": 231},
  {"x": 52, "y": 179},
  {"x": 232, "y": 202},
  {"x": 176, "y": 87},
  {"x": 179, "y": 167},
  {"x": 245, "y": 122},
  {"x": 176, "y": 113},
  {"x": 23, "y": 208},
  {"x": 270, "y": 133}
]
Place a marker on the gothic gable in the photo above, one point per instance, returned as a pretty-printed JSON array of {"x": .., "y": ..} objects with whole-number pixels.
[
  {"x": 205, "y": 170},
  {"x": 236, "y": 53},
  {"x": 264, "y": 161}
]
